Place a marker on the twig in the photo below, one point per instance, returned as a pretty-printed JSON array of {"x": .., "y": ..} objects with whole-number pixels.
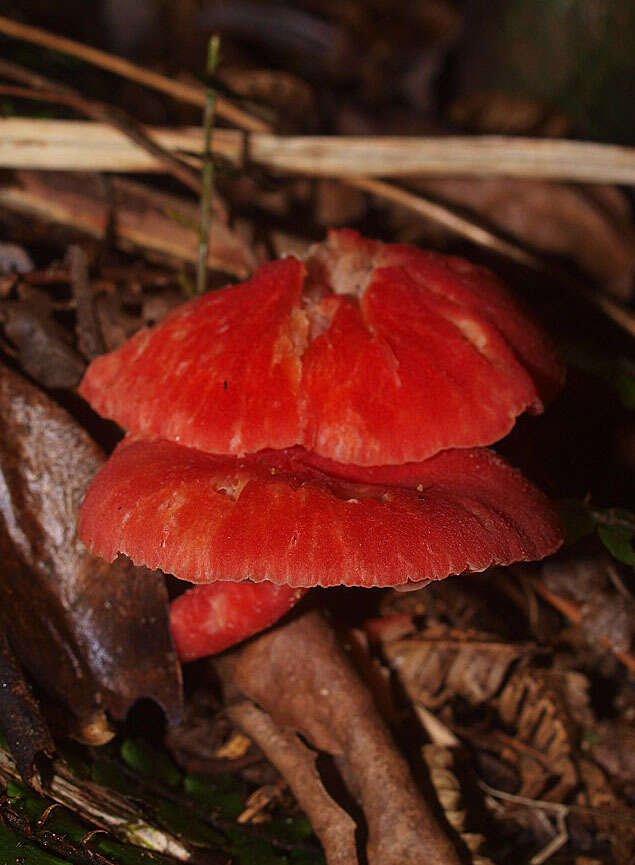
[
  {"x": 557, "y": 807},
  {"x": 106, "y": 809},
  {"x": 57, "y": 843},
  {"x": 346, "y": 156},
  {"x": 555, "y": 844},
  {"x": 90, "y": 338},
  {"x": 330, "y": 706},
  {"x": 381, "y": 156},
  {"x": 445, "y": 216},
  {"x": 333, "y": 826},
  {"x": 53, "y": 91},
  {"x": 137, "y": 272},
  {"x": 208, "y": 169},
  {"x": 525, "y": 157},
  {"x": 191, "y": 93}
]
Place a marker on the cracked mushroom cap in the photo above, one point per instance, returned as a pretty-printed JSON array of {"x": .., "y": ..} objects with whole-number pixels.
[
  {"x": 366, "y": 353},
  {"x": 297, "y": 520}
]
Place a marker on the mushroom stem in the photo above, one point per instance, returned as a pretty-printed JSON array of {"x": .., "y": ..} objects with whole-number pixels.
[
  {"x": 333, "y": 826},
  {"x": 299, "y": 674}
]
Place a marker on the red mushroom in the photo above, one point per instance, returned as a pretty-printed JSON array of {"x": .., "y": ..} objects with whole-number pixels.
[
  {"x": 367, "y": 354},
  {"x": 316, "y": 425},
  {"x": 295, "y": 520}
]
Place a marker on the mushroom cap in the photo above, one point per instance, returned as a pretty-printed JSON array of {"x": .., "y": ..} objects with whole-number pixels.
[
  {"x": 366, "y": 353},
  {"x": 299, "y": 520},
  {"x": 207, "y": 619}
]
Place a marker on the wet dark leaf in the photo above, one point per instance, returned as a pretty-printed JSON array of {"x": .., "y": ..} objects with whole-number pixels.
[
  {"x": 617, "y": 372},
  {"x": 615, "y": 527},
  {"x": 93, "y": 636},
  {"x": 577, "y": 520},
  {"x": 619, "y": 542},
  {"x": 20, "y": 716}
]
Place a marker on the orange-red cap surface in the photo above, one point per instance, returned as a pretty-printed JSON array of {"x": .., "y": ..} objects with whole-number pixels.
[
  {"x": 368, "y": 354},
  {"x": 207, "y": 619},
  {"x": 279, "y": 516}
]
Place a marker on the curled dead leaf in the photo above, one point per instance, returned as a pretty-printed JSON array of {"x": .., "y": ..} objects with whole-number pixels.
[
  {"x": 92, "y": 635},
  {"x": 438, "y": 663},
  {"x": 545, "y": 735}
]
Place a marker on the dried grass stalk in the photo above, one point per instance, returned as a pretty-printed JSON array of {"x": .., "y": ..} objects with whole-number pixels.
[
  {"x": 68, "y": 144},
  {"x": 192, "y": 93}
]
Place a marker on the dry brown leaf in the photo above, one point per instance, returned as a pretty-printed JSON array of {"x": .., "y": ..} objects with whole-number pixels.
[
  {"x": 613, "y": 747},
  {"x": 440, "y": 763},
  {"x": 438, "y": 663},
  {"x": 507, "y": 113},
  {"x": 615, "y": 820},
  {"x": 116, "y": 323},
  {"x": 161, "y": 225},
  {"x": 591, "y": 226},
  {"x": 43, "y": 349},
  {"x": 90, "y": 339},
  {"x": 545, "y": 735},
  {"x": 291, "y": 99},
  {"x": 336, "y": 204},
  {"x": 606, "y": 609}
]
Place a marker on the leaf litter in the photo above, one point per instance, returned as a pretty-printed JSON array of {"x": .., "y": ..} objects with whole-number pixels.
[{"x": 515, "y": 690}]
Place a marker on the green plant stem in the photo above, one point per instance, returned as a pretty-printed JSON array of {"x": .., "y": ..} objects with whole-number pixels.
[{"x": 208, "y": 169}]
